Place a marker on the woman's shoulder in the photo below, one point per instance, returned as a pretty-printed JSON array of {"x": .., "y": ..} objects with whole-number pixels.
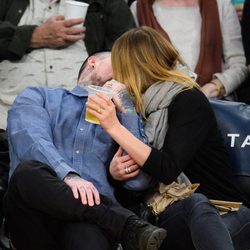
[
  {"x": 191, "y": 105},
  {"x": 191, "y": 99},
  {"x": 191, "y": 95}
]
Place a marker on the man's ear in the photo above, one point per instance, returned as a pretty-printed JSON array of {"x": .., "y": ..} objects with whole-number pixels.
[
  {"x": 89, "y": 67},
  {"x": 91, "y": 61}
]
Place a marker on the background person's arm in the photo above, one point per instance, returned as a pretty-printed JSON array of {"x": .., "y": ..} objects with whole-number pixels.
[
  {"x": 235, "y": 71},
  {"x": 56, "y": 32},
  {"x": 15, "y": 40}
]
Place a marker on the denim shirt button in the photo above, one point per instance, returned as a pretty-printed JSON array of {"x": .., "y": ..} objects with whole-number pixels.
[
  {"x": 77, "y": 151},
  {"x": 81, "y": 129}
]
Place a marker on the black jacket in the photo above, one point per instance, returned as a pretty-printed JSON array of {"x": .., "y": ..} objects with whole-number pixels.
[{"x": 106, "y": 20}]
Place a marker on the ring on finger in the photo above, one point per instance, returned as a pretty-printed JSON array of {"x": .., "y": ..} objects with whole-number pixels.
[
  {"x": 99, "y": 110},
  {"x": 127, "y": 170}
]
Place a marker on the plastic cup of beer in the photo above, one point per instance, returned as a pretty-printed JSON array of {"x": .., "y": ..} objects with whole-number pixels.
[
  {"x": 75, "y": 9},
  {"x": 92, "y": 90}
]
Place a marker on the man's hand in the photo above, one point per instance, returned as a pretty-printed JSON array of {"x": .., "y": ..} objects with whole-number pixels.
[
  {"x": 117, "y": 88},
  {"x": 57, "y": 32},
  {"x": 88, "y": 193},
  {"x": 123, "y": 168}
]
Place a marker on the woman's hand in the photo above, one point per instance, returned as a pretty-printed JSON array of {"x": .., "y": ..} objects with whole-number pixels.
[
  {"x": 123, "y": 168},
  {"x": 104, "y": 110}
]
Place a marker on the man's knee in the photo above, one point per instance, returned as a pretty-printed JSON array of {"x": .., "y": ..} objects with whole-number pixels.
[
  {"x": 31, "y": 169},
  {"x": 28, "y": 172}
]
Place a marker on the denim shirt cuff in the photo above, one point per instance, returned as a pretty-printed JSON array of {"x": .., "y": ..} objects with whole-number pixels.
[{"x": 63, "y": 169}]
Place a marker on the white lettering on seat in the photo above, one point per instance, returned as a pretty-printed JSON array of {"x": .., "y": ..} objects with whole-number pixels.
[
  {"x": 246, "y": 141},
  {"x": 233, "y": 137}
]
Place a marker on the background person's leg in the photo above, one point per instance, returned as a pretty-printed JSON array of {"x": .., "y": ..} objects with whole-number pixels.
[{"x": 79, "y": 236}]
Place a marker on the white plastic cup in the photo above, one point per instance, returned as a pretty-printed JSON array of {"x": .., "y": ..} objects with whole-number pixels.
[
  {"x": 75, "y": 9},
  {"x": 92, "y": 90}
]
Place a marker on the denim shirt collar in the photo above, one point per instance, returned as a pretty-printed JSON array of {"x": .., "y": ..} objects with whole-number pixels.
[{"x": 79, "y": 91}]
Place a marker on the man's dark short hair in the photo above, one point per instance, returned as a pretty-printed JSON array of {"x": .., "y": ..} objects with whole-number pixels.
[{"x": 97, "y": 54}]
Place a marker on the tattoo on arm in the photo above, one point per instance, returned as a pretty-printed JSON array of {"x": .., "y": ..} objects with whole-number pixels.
[{"x": 72, "y": 176}]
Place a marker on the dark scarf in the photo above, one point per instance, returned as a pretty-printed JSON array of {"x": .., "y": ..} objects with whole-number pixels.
[{"x": 209, "y": 61}]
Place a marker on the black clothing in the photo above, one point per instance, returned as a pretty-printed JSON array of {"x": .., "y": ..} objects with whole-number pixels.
[
  {"x": 106, "y": 20},
  {"x": 38, "y": 205},
  {"x": 4, "y": 167},
  {"x": 245, "y": 23},
  {"x": 193, "y": 145},
  {"x": 76, "y": 235}
]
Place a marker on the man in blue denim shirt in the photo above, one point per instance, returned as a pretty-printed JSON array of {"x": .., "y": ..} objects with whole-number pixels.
[{"x": 57, "y": 152}]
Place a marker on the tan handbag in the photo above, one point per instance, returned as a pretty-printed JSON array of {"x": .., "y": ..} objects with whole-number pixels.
[{"x": 168, "y": 194}]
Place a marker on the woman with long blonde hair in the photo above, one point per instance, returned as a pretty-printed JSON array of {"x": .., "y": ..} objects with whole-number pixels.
[
  {"x": 183, "y": 138},
  {"x": 140, "y": 69}
]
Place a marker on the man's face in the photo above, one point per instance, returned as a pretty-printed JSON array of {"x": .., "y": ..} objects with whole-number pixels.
[{"x": 102, "y": 71}]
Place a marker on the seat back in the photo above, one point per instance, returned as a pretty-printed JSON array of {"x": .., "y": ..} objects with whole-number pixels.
[{"x": 233, "y": 119}]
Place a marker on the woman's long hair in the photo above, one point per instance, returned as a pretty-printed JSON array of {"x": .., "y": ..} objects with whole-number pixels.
[{"x": 141, "y": 57}]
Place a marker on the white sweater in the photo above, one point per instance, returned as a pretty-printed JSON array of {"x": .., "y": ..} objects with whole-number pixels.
[{"x": 234, "y": 71}]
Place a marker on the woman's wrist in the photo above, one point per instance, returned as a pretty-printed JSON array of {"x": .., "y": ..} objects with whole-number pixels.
[
  {"x": 115, "y": 128},
  {"x": 218, "y": 87}
]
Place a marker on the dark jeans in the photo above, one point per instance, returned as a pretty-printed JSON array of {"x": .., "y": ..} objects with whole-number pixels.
[
  {"x": 42, "y": 214},
  {"x": 244, "y": 183},
  {"x": 4, "y": 167},
  {"x": 194, "y": 223}
]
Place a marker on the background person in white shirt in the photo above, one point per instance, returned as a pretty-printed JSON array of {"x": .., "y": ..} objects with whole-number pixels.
[
  {"x": 37, "y": 44},
  {"x": 207, "y": 35}
]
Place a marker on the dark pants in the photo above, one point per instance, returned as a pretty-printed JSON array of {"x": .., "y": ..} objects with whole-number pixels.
[
  {"x": 243, "y": 92},
  {"x": 41, "y": 213},
  {"x": 4, "y": 167},
  {"x": 194, "y": 223}
]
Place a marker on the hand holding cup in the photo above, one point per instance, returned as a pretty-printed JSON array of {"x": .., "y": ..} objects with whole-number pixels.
[
  {"x": 92, "y": 92},
  {"x": 75, "y": 9}
]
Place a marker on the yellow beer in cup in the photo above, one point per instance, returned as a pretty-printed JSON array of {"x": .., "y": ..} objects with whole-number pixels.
[{"x": 92, "y": 90}]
